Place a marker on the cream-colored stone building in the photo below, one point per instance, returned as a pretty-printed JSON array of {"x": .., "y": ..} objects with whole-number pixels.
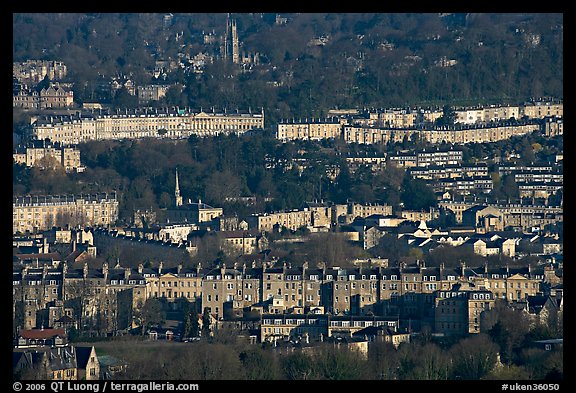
[
  {"x": 510, "y": 284},
  {"x": 151, "y": 93},
  {"x": 397, "y": 118},
  {"x": 108, "y": 298},
  {"x": 38, "y": 213},
  {"x": 313, "y": 129},
  {"x": 143, "y": 123},
  {"x": 230, "y": 289},
  {"x": 53, "y": 97},
  {"x": 554, "y": 126},
  {"x": 542, "y": 109},
  {"x": 37, "y": 154},
  {"x": 292, "y": 220},
  {"x": 34, "y": 71}
]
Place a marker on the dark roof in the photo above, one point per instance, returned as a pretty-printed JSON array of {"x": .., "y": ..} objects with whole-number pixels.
[
  {"x": 40, "y": 256},
  {"x": 16, "y": 357},
  {"x": 82, "y": 356},
  {"x": 475, "y": 209},
  {"x": 74, "y": 255},
  {"x": 65, "y": 319},
  {"x": 537, "y": 300},
  {"x": 372, "y": 331}
]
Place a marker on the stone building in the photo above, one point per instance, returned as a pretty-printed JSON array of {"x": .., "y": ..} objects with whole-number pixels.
[
  {"x": 38, "y": 213},
  {"x": 174, "y": 123},
  {"x": 458, "y": 311},
  {"x": 37, "y": 153}
]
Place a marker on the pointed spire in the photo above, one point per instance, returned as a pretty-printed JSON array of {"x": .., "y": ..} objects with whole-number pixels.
[{"x": 177, "y": 191}]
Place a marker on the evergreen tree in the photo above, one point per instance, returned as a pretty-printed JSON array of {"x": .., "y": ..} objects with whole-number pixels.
[{"x": 206, "y": 318}]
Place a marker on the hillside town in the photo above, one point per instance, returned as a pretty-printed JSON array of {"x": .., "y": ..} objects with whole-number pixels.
[{"x": 464, "y": 227}]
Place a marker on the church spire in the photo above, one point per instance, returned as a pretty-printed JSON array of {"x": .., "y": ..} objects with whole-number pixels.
[{"x": 177, "y": 191}]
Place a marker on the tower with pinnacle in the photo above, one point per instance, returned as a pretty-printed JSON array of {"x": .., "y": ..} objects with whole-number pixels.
[
  {"x": 177, "y": 192},
  {"x": 231, "y": 48}
]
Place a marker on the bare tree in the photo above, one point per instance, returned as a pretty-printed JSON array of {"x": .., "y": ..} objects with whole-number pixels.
[{"x": 473, "y": 357}]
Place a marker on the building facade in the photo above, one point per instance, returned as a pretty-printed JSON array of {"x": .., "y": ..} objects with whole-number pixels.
[
  {"x": 458, "y": 312},
  {"x": 38, "y": 213},
  {"x": 309, "y": 130},
  {"x": 67, "y": 156},
  {"x": 107, "y": 299},
  {"x": 141, "y": 123}
]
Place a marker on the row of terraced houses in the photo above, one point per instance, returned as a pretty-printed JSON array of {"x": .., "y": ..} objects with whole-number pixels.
[
  {"x": 172, "y": 123},
  {"x": 107, "y": 299},
  {"x": 482, "y": 124}
]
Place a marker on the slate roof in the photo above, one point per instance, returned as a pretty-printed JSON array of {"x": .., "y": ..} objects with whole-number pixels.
[{"x": 83, "y": 356}]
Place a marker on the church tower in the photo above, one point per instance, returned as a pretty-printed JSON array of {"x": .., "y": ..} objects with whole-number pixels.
[
  {"x": 230, "y": 48},
  {"x": 235, "y": 52},
  {"x": 177, "y": 192}
]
